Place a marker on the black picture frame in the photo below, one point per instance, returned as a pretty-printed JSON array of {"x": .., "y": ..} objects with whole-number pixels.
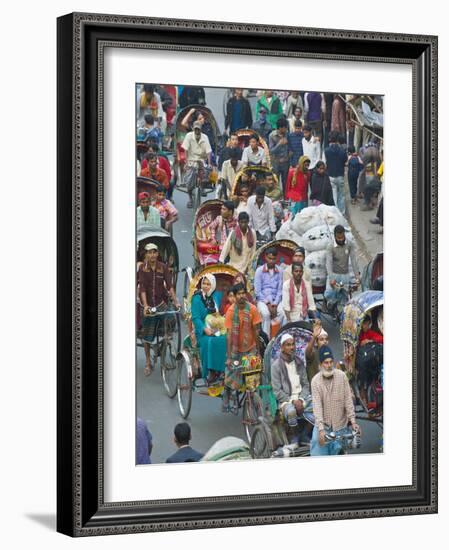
[{"x": 81, "y": 510}]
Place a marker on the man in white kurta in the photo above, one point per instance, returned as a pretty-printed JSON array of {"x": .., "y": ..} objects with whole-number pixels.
[
  {"x": 297, "y": 296},
  {"x": 240, "y": 245}
]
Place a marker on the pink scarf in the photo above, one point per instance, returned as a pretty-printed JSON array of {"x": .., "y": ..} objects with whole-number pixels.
[{"x": 305, "y": 305}]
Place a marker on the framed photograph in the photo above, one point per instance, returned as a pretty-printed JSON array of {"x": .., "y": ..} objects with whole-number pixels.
[{"x": 247, "y": 274}]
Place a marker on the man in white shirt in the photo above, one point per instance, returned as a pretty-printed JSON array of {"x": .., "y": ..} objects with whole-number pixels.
[
  {"x": 229, "y": 170},
  {"x": 254, "y": 155},
  {"x": 261, "y": 214},
  {"x": 297, "y": 298},
  {"x": 198, "y": 151},
  {"x": 240, "y": 245},
  {"x": 290, "y": 385},
  {"x": 311, "y": 146},
  {"x": 299, "y": 256}
]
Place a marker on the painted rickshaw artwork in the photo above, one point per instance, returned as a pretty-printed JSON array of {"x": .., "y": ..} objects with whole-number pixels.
[
  {"x": 270, "y": 437},
  {"x": 207, "y": 176},
  {"x": 364, "y": 363},
  {"x": 253, "y": 176},
  {"x": 205, "y": 250},
  {"x": 192, "y": 377}
]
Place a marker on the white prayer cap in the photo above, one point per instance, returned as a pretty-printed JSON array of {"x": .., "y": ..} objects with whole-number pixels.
[{"x": 286, "y": 337}]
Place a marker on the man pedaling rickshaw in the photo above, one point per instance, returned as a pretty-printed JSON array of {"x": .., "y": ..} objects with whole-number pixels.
[{"x": 155, "y": 288}]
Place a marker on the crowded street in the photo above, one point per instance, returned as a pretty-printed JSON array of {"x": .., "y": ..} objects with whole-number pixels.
[{"x": 178, "y": 217}]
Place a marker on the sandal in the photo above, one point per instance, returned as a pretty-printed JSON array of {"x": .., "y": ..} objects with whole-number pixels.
[
  {"x": 148, "y": 370},
  {"x": 189, "y": 204}
]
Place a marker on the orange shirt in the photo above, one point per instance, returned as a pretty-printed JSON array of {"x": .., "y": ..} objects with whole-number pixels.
[
  {"x": 158, "y": 175},
  {"x": 255, "y": 319}
]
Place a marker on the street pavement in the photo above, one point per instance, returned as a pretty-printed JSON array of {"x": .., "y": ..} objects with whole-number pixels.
[{"x": 206, "y": 419}]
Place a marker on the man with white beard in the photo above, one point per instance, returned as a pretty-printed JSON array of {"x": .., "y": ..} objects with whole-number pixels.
[{"x": 332, "y": 405}]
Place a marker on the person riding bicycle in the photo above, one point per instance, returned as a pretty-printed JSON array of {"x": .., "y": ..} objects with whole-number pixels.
[
  {"x": 155, "y": 288},
  {"x": 332, "y": 406},
  {"x": 290, "y": 385},
  {"x": 242, "y": 322},
  {"x": 198, "y": 152},
  {"x": 338, "y": 255}
]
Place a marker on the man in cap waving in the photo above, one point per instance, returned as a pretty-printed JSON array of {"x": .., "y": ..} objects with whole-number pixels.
[
  {"x": 332, "y": 405},
  {"x": 290, "y": 385}
]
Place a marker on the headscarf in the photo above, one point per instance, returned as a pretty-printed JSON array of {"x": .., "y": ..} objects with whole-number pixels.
[
  {"x": 207, "y": 299},
  {"x": 299, "y": 169}
]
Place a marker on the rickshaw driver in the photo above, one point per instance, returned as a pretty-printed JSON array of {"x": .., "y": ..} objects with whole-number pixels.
[
  {"x": 337, "y": 265},
  {"x": 155, "y": 288},
  {"x": 290, "y": 385},
  {"x": 332, "y": 405},
  {"x": 198, "y": 151},
  {"x": 297, "y": 297},
  {"x": 242, "y": 322}
]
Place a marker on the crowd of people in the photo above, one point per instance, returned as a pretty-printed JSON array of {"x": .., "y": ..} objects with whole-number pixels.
[{"x": 316, "y": 148}]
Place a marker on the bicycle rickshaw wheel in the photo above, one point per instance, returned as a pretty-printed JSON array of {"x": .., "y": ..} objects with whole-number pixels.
[
  {"x": 252, "y": 410},
  {"x": 169, "y": 370},
  {"x": 185, "y": 382},
  {"x": 261, "y": 442}
]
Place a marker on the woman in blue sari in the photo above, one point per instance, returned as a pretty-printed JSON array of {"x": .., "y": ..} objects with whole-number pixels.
[{"x": 206, "y": 301}]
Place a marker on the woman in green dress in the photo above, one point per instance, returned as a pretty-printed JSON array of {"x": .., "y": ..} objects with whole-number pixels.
[{"x": 206, "y": 301}]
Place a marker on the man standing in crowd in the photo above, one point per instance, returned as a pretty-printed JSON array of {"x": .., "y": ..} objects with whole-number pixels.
[
  {"x": 254, "y": 154},
  {"x": 262, "y": 125},
  {"x": 314, "y": 112},
  {"x": 311, "y": 146},
  {"x": 223, "y": 224},
  {"x": 295, "y": 137},
  {"x": 273, "y": 106},
  {"x": 278, "y": 144},
  {"x": 261, "y": 214},
  {"x": 232, "y": 148},
  {"x": 185, "y": 453},
  {"x": 268, "y": 290},
  {"x": 154, "y": 172},
  {"x": 335, "y": 158},
  {"x": 238, "y": 112},
  {"x": 294, "y": 103},
  {"x": 297, "y": 297},
  {"x": 230, "y": 169},
  {"x": 198, "y": 151},
  {"x": 355, "y": 166},
  {"x": 338, "y": 255},
  {"x": 147, "y": 214},
  {"x": 332, "y": 405},
  {"x": 290, "y": 385},
  {"x": 240, "y": 245}
]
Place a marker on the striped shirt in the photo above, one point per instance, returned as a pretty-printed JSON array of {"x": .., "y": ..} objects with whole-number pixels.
[{"x": 332, "y": 401}]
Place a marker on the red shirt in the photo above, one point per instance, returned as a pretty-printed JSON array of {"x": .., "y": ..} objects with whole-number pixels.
[
  {"x": 371, "y": 335},
  {"x": 158, "y": 175},
  {"x": 297, "y": 192},
  {"x": 163, "y": 164}
]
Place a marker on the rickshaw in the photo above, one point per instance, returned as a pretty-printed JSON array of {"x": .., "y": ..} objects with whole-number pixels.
[
  {"x": 372, "y": 274},
  {"x": 270, "y": 435},
  {"x": 285, "y": 250},
  {"x": 253, "y": 176},
  {"x": 205, "y": 251},
  {"x": 244, "y": 135},
  {"x": 147, "y": 185},
  {"x": 364, "y": 364},
  {"x": 227, "y": 448},
  {"x": 212, "y": 131},
  {"x": 189, "y": 360},
  {"x": 165, "y": 337}
]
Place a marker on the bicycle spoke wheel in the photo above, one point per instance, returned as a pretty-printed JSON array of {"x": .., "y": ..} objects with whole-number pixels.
[
  {"x": 185, "y": 381},
  {"x": 252, "y": 410},
  {"x": 261, "y": 442},
  {"x": 169, "y": 369}
]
